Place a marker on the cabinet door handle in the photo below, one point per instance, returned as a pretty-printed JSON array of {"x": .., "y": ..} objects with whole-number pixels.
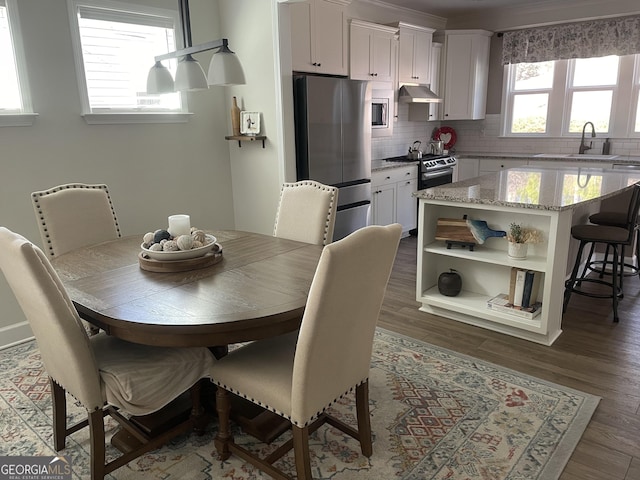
[{"x": 408, "y": 183}]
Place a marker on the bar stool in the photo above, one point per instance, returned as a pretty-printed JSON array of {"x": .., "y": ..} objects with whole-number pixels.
[
  {"x": 615, "y": 238},
  {"x": 614, "y": 219}
]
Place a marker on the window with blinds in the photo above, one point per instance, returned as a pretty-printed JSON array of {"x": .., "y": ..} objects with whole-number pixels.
[
  {"x": 15, "y": 100},
  {"x": 115, "y": 48}
]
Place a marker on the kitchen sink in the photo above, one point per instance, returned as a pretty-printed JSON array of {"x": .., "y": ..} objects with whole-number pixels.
[{"x": 581, "y": 156}]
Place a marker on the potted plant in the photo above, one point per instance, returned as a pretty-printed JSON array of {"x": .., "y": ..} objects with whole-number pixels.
[{"x": 519, "y": 238}]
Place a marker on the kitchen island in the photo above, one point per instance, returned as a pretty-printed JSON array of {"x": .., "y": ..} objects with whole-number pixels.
[{"x": 548, "y": 200}]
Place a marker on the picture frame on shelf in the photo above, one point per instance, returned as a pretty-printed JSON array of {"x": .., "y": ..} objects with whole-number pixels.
[{"x": 250, "y": 123}]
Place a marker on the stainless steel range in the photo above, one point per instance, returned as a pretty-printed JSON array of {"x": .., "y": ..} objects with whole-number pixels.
[{"x": 433, "y": 170}]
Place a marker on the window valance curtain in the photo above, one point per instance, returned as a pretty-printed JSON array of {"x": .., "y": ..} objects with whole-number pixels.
[{"x": 597, "y": 38}]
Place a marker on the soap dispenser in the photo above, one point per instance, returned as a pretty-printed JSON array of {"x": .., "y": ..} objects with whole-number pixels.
[{"x": 606, "y": 147}]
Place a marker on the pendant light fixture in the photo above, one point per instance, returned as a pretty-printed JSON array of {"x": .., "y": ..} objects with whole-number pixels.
[{"x": 224, "y": 69}]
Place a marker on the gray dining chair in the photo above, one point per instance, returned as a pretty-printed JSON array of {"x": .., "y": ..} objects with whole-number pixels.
[
  {"x": 106, "y": 375},
  {"x": 306, "y": 212},
  {"x": 74, "y": 215},
  {"x": 299, "y": 375}
]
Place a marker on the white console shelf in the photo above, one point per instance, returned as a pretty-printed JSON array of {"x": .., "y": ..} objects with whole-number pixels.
[{"x": 486, "y": 271}]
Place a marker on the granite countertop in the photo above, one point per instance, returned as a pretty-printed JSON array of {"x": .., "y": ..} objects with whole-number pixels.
[
  {"x": 556, "y": 189},
  {"x": 564, "y": 157},
  {"x": 381, "y": 164}
]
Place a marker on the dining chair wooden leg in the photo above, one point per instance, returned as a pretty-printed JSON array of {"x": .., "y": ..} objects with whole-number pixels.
[
  {"x": 364, "y": 420},
  {"x": 96, "y": 437},
  {"x": 59, "y": 404},
  {"x": 223, "y": 407},
  {"x": 301, "y": 452}
]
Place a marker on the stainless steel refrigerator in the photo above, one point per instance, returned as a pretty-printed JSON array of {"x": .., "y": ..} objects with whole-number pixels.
[{"x": 333, "y": 143}]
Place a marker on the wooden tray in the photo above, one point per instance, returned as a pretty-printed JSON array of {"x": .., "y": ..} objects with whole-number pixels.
[{"x": 168, "y": 266}]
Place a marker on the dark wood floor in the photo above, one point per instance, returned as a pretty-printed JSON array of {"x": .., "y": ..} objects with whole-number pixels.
[{"x": 592, "y": 355}]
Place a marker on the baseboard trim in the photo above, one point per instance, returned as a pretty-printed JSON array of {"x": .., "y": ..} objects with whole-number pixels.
[{"x": 15, "y": 334}]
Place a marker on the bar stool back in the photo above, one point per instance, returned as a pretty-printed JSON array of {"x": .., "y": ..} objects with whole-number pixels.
[
  {"x": 616, "y": 218},
  {"x": 615, "y": 238}
]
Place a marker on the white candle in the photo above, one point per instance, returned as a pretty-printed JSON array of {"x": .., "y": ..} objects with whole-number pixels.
[{"x": 179, "y": 225}]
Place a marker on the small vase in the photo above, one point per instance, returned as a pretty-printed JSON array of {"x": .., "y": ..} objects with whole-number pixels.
[
  {"x": 235, "y": 118},
  {"x": 518, "y": 251}
]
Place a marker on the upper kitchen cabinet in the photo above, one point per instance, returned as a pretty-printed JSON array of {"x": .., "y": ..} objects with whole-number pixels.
[
  {"x": 419, "y": 112},
  {"x": 372, "y": 51},
  {"x": 466, "y": 72},
  {"x": 319, "y": 36},
  {"x": 414, "y": 60}
]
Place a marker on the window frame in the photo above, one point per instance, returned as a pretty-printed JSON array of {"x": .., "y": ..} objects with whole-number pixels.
[
  {"x": 120, "y": 116},
  {"x": 623, "y": 111},
  {"x": 26, "y": 115}
]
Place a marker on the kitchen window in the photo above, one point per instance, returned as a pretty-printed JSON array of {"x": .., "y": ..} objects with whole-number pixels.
[
  {"x": 114, "y": 46},
  {"x": 15, "y": 101},
  {"x": 556, "y": 98}
]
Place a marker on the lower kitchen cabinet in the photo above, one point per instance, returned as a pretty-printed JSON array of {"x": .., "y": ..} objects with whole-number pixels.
[
  {"x": 492, "y": 165},
  {"x": 392, "y": 197}
]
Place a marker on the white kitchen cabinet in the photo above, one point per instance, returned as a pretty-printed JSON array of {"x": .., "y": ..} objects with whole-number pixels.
[
  {"x": 384, "y": 204},
  {"x": 319, "y": 36},
  {"x": 468, "y": 168},
  {"x": 392, "y": 196},
  {"x": 419, "y": 112},
  {"x": 372, "y": 51},
  {"x": 492, "y": 165},
  {"x": 414, "y": 59},
  {"x": 466, "y": 73}
]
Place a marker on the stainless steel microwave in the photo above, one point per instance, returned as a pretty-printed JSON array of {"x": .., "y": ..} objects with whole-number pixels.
[{"x": 382, "y": 113}]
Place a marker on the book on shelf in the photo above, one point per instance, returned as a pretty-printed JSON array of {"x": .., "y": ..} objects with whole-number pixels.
[
  {"x": 501, "y": 303},
  {"x": 523, "y": 287}
]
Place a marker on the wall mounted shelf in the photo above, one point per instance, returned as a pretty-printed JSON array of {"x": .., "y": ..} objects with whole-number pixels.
[{"x": 246, "y": 138}]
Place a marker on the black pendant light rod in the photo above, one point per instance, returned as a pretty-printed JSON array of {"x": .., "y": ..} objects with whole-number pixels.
[
  {"x": 185, "y": 19},
  {"x": 222, "y": 44}
]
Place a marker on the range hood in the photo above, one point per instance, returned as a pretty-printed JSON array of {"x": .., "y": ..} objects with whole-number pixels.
[{"x": 417, "y": 94}]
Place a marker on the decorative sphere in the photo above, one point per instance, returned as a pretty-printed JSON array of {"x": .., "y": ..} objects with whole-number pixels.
[
  {"x": 170, "y": 246},
  {"x": 156, "y": 247},
  {"x": 449, "y": 283},
  {"x": 184, "y": 242},
  {"x": 148, "y": 238},
  {"x": 199, "y": 235},
  {"x": 160, "y": 235}
]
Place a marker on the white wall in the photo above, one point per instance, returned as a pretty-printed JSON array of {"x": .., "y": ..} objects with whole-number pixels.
[
  {"x": 152, "y": 170},
  {"x": 257, "y": 173}
]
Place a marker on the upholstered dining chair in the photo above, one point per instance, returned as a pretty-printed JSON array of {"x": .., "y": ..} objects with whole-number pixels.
[
  {"x": 74, "y": 215},
  {"x": 307, "y": 212},
  {"x": 299, "y": 375},
  {"x": 106, "y": 375}
]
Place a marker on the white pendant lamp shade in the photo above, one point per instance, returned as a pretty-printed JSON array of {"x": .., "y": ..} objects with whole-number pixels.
[
  {"x": 225, "y": 69},
  {"x": 190, "y": 76},
  {"x": 159, "y": 79}
]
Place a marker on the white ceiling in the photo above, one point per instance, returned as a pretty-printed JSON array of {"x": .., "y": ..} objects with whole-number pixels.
[
  {"x": 499, "y": 15},
  {"x": 449, "y": 8}
]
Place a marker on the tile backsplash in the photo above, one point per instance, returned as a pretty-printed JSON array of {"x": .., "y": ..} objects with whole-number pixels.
[{"x": 482, "y": 136}]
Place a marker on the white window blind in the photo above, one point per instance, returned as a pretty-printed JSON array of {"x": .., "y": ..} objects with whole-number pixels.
[
  {"x": 10, "y": 100},
  {"x": 15, "y": 99},
  {"x": 117, "y": 47}
]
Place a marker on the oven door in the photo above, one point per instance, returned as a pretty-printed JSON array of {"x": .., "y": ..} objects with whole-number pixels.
[{"x": 436, "y": 178}]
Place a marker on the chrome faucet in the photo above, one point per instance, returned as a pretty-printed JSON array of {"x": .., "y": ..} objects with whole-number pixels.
[{"x": 583, "y": 146}]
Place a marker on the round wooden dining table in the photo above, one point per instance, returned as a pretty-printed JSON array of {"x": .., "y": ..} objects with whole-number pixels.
[{"x": 258, "y": 289}]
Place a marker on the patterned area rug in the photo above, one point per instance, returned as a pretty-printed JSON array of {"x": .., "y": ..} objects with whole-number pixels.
[{"x": 436, "y": 414}]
